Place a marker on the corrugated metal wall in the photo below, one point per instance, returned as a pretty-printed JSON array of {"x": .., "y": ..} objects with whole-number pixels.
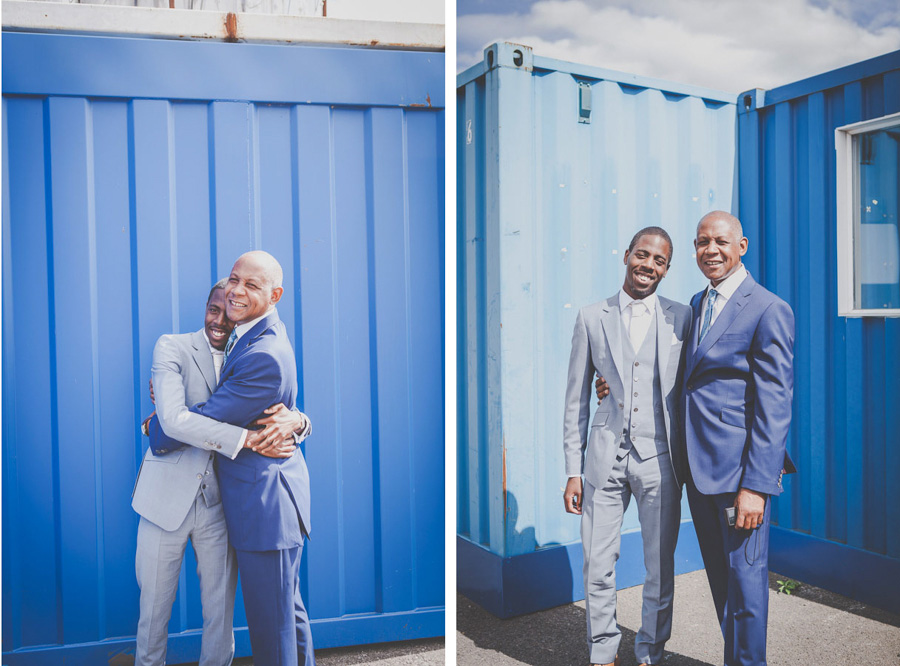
[
  {"x": 546, "y": 209},
  {"x": 847, "y": 371},
  {"x": 134, "y": 173}
]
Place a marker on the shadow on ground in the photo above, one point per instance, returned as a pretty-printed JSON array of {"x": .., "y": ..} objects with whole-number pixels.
[
  {"x": 556, "y": 638},
  {"x": 836, "y": 601}
]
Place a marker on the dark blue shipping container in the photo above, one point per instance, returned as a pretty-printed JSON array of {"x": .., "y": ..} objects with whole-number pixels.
[
  {"x": 134, "y": 172},
  {"x": 839, "y": 521}
]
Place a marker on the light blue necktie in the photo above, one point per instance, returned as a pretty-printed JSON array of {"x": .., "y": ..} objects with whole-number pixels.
[
  {"x": 229, "y": 345},
  {"x": 707, "y": 316}
]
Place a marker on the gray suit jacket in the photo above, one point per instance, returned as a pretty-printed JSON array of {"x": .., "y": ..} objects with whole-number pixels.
[
  {"x": 597, "y": 349},
  {"x": 183, "y": 375}
]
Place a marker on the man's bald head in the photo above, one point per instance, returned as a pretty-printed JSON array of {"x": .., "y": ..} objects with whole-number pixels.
[
  {"x": 254, "y": 286},
  {"x": 724, "y": 218},
  {"x": 266, "y": 263},
  {"x": 720, "y": 244}
]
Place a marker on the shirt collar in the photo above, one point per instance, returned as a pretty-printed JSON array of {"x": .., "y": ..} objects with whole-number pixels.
[
  {"x": 730, "y": 284},
  {"x": 625, "y": 300},
  {"x": 240, "y": 329}
]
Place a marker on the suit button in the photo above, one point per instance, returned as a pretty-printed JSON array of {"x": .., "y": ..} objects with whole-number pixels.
[
  {"x": 636, "y": 364},
  {"x": 203, "y": 486},
  {"x": 206, "y": 472},
  {"x": 199, "y": 476},
  {"x": 621, "y": 405},
  {"x": 635, "y": 379},
  {"x": 635, "y": 409},
  {"x": 218, "y": 446},
  {"x": 635, "y": 395}
]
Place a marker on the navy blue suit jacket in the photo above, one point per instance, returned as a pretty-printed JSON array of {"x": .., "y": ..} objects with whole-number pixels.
[
  {"x": 266, "y": 500},
  {"x": 738, "y": 386}
]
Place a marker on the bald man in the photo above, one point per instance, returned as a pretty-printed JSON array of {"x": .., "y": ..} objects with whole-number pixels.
[
  {"x": 738, "y": 385},
  {"x": 266, "y": 500}
]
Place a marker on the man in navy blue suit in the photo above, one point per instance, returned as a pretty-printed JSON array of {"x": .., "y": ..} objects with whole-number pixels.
[
  {"x": 738, "y": 386},
  {"x": 266, "y": 500}
]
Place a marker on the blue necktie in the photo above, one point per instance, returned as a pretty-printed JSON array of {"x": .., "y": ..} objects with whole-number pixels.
[
  {"x": 229, "y": 345},
  {"x": 707, "y": 316}
]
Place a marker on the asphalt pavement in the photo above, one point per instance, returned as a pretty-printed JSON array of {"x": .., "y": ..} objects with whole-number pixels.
[{"x": 809, "y": 627}]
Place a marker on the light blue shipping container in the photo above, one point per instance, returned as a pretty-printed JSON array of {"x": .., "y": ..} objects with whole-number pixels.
[
  {"x": 558, "y": 165},
  {"x": 134, "y": 172}
]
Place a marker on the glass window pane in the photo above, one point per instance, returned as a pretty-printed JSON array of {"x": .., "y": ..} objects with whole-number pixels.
[{"x": 876, "y": 235}]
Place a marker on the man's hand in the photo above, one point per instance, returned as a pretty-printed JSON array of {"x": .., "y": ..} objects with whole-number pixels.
[
  {"x": 279, "y": 424},
  {"x": 749, "y": 506},
  {"x": 282, "y": 449},
  {"x": 602, "y": 388},
  {"x": 573, "y": 495},
  {"x": 152, "y": 397},
  {"x": 276, "y": 438}
]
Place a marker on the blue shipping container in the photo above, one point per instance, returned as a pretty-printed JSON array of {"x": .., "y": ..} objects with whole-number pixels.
[{"x": 134, "y": 172}]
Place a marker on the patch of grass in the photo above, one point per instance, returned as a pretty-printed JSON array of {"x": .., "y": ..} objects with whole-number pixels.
[{"x": 787, "y": 586}]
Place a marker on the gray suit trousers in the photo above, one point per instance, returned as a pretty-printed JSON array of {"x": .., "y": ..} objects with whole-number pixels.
[
  {"x": 158, "y": 563},
  {"x": 658, "y": 497}
]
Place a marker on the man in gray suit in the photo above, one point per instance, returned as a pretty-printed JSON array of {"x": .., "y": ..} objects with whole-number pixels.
[
  {"x": 177, "y": 493},
  {"x": 633, "y": 339}
]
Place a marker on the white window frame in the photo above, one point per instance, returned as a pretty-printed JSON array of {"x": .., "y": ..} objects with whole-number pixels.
[{"x": 847, "y": 214}]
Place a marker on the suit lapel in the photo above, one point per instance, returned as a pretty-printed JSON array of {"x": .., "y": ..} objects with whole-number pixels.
[
  {"x": 611, "y": 320},
  {"x": 665, "y": 329},
  {"x": 696, "y": 303},
  {"x": 731, "y": 310},
  {"x": 203, "y": 358},
  {"x": 247, "y": 338}
]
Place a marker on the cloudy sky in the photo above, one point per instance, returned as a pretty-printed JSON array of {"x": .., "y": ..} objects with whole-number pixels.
[{"x": 728, "y": 45}]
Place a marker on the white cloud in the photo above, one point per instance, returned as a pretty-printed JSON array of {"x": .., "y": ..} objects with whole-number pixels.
[{"x": 725, "y": 45}]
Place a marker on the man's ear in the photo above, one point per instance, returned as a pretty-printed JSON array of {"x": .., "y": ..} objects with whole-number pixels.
[
  {"x": 744, "y": 244},
  {"x": 276, "y": 295}
]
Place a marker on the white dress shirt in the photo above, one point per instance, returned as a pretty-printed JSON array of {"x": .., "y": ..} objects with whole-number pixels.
[
  {"x": 218, "y": 360},
  {"x": 637, "y": 318},
  {"x": 725, "y": 291}
]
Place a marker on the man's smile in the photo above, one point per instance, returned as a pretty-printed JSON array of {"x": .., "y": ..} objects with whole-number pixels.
[
  {"x": 644, "y": 278},
  {"x": 217, "y": 333}
]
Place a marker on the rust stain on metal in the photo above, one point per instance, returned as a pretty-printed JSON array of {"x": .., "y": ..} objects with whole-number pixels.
[
  {"x": 505, "y": 508},
  {"x": 231, "y": 27},
  {"x": 428, "y": 99}
]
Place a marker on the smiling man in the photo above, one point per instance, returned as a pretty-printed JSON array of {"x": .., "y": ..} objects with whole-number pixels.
[
  {"x": 633, "y": 339},
  {"x": 738, "y": 385}
]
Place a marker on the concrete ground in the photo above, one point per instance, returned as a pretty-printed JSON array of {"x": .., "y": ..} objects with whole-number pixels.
[
  {"x": 424, "y": 652},
  {"x": 809, "y": 627}
]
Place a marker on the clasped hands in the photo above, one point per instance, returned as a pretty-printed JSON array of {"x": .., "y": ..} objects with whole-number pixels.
[
  {"x": 275, "y": 437},
  {"x": 750, "y": 505}
]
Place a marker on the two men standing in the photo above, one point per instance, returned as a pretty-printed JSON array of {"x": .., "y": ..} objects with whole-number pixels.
[
  {"x": 263, "y": 485},
  {"x": 726, "y": 407}
]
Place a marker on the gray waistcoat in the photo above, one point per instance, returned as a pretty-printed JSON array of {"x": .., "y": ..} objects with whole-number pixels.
[{"x": 645, "y": 425}]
